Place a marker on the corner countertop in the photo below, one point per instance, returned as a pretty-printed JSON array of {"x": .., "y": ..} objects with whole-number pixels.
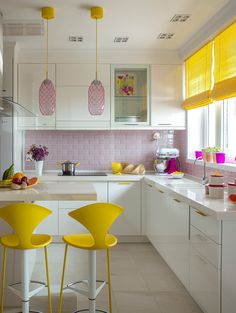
[
  {"x": 187, "y": 189},
  {"x": 80, "y": 191}
]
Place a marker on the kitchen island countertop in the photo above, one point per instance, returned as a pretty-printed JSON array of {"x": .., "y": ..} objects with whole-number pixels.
[{"x": 47, "y": 191}]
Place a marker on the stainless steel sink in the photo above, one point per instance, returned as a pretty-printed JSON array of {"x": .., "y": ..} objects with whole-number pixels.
[{"x": 90, "y": 174}]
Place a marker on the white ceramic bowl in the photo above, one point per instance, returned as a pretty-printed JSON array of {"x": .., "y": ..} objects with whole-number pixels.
[{"x": 177, "y": 175}]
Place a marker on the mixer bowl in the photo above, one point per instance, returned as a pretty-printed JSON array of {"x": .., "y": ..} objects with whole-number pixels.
[{"x": 160, "y": 165}]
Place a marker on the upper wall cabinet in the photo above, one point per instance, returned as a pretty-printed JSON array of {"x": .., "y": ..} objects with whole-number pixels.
[
  {"x": 72, "y": 83},
  {"x": 167, "y": 97},
  {"x": 129, "y": 95},
  {"x": 29, "y": 79}
]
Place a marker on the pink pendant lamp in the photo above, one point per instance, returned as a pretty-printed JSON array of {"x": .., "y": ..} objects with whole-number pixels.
[
  {"x": 47, "y": 93},
  {"x": 96, "y": 92}
]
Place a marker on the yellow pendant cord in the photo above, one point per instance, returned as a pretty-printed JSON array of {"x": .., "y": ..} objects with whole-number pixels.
[
  {"x": 96, "y": 49},
  {"x": 47, "y": 50}
]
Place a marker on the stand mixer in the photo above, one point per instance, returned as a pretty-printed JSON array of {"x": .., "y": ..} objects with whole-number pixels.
[{"x": 167, "y": 161}]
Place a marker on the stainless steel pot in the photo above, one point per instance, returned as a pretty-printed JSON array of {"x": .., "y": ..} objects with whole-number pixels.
[{"x": 68, "y": 167}]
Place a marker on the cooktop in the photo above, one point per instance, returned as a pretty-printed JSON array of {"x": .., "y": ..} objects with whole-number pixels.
[{"x": 84, "y": 174}]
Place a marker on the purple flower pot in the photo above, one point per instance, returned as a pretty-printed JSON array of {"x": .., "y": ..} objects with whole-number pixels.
[
  {"x": 198, "y": 155},
  {"x": 220, "y": 157}
]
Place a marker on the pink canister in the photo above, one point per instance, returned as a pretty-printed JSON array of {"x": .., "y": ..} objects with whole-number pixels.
[{"x": 231, "y": 188}]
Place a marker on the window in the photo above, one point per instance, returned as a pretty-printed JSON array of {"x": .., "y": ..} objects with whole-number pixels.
[{"x": 213, "y": 125}]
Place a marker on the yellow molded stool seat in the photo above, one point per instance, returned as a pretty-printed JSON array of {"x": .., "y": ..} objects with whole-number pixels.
[
  {"x": 97, "y": 218},
  {"x": 24, "y": 218}
]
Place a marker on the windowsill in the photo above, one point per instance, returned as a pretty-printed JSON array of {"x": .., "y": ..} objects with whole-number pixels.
[{"x": 224, "y": 166}]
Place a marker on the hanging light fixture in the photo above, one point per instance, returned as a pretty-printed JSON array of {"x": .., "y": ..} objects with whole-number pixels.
[
  {"x": 47, "y": 93},
  {"x": 96, "y": 92}
]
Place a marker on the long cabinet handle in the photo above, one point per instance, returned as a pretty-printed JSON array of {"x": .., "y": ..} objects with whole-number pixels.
[
  {"x": 176, "y": 200},
  {"x": 160, "y": 191},
  {"x": 200, "y": 213},
  {"x": 149, "y": 185},
  {"x": 124, "y": 183}
]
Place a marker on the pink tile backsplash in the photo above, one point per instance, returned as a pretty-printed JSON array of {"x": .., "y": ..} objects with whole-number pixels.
[{"x": 95, "y": 150}]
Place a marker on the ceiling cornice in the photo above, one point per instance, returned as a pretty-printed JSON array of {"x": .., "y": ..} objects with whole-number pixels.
[{"x": 221, "y": 20}]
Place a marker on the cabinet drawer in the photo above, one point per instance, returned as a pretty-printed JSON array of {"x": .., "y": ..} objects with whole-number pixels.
[
  {"x": 207, "y": 224},
  {"x": 67, "y": 225},
  {"x": 204, "y": 283},
  {"x": 206, "y": 247}
]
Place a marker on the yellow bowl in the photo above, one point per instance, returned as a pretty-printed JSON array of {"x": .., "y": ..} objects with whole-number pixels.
[{"x": 116, "y": 167}]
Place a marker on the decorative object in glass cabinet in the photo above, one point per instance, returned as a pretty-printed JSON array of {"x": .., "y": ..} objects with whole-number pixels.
[{"x": 130, "y": 94}]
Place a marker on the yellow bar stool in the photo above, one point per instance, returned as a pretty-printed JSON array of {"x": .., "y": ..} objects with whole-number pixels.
[
  {"x": 24, "y": 218},
  {"x": 97, "y": 218}
]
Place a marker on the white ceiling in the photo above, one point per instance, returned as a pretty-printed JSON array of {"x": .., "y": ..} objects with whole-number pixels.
[{"x": 140, "y": 20}]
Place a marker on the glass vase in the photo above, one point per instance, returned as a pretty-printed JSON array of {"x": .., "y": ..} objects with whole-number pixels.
[{"x": 39, "y": 168}]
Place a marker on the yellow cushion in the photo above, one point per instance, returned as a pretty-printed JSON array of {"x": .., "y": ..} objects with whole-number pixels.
[
  {"x": 37, "y": 241},
  {"x": 86, "y": 241}
]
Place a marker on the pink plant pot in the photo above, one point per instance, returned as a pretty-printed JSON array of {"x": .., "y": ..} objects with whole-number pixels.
[
  {"x": 198, "y": 155},
  {"x": 220, "y": 157}
]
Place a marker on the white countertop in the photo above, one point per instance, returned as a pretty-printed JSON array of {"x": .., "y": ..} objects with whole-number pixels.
[
  {"x": 187, "y": 190},
  {"x": 51, "y": 191},
  {"x": 193, "y": 193}
]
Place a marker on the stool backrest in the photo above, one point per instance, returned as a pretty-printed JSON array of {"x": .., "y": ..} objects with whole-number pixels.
[
  {"x": 24, "y": 218},
  {"x": 97, "y": 218}
]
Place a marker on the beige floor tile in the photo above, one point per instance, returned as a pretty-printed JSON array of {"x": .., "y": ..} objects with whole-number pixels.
[
  {"x": 141, "y": 281},
  {"x": 170, "y": 302}
]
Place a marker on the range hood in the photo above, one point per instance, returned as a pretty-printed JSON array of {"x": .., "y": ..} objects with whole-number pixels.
[{"x": 9, "y": 108}]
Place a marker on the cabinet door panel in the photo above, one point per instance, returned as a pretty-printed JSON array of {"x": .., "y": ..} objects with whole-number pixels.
[
  {"x": 50, "y": 224},
  {"x": 204, "y": 283},
  {"x": 127, "y": 195},
  {"x": 166, "y": 96},
  {"x": 30, "y": 77},
  {"x": 81, "y": 74},
  {"x": 72, "y": 105}
]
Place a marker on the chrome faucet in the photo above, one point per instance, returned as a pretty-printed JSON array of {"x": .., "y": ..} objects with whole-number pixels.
[{"x": 204, "y": 178}]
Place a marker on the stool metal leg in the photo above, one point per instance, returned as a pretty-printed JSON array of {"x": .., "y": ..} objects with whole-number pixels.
[
  {"x": 92, "y": 281},
  {"x": 3, "y": 278},
  {"x": 62, "y": 278},
  {"x": 109, "y": 279},
  {"x": 48, "y": 280},
  {"x": 25, "y": 281}
]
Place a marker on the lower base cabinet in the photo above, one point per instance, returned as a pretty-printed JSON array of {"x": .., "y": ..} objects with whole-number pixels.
[
  {"x": 50, "y": 224},
  {"x": 128, "y": 195}
]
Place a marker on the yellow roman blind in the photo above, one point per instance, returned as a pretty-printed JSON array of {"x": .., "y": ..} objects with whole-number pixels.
[
  {"x": 225, "y": 64},
  {"x": 198, "y": 81}
]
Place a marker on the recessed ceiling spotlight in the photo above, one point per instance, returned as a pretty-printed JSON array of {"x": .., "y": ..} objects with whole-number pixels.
[
  {"x": 121, "y": 39},
  {"x": 165, "y": 35},
  {"x": 76, "y": 38},
  {"x": 180, "y": 18}
]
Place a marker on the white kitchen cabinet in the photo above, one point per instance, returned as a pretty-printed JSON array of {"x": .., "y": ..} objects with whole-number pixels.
[
  {"x": 167, "y": 97},
  {"x": 73, "y": 81},
  {"x": 67, "y": 225},
  {"x": 130, "y": 95},
  {"x": 205, "y": 262},
  {"x": 50, "y": 224},
  {"x": 167, "y": 227},
  {"x": 29, "y": 79},
  {"x": 128, "y": 195}
]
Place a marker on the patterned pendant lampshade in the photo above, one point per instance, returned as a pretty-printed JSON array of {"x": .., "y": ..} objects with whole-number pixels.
[
  {"x": 47, "y": 93},
  {"x": 96, "y": 92}
]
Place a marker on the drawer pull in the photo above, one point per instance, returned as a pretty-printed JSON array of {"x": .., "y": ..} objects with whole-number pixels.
[
  {"x": 200, "y": 213},
  {"x": 176, "y": 200},
  {"x": 160, "y": 191},
  {"x": 124, "y": 183},
  {"x": 149, "y": 185}
]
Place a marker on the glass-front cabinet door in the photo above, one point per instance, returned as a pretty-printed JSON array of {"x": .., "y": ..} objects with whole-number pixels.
[{"x": 129, "y": 95}]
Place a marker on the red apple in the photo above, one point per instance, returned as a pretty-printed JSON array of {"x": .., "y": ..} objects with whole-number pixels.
[{"x": 16, "y": 181}]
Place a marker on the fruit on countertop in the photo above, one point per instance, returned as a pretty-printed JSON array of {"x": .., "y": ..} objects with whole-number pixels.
[
  {"x": 8, "y": 173},
  {"x": 24, "y": 182},
  {"x": 19, "y": 175},
  {"x": 176, "y": 172},
  {"x": 232, "y": 197}
]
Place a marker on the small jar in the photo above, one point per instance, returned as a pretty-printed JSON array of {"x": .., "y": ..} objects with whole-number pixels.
[
  {"x": 231, "y": 188},
  {"x": 216, "y": 179},
  {"x": 216, "y": 191}
]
